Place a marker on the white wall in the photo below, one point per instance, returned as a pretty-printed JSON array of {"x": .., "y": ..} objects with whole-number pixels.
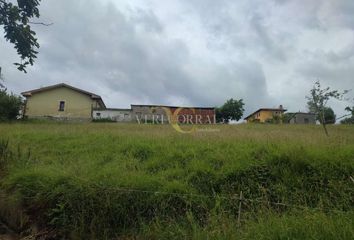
[{"x": 119, "y": 115}]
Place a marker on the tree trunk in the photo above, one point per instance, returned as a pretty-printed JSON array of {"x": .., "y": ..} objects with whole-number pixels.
[
  {"x": 325, "y": 128},
  {"x": 324, "y": 123}
]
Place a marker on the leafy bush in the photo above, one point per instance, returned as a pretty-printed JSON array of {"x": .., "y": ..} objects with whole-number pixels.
[
  {"x": 349, "y": 120},
  {"x": 10, "y": 105},
  {"x": 5, "y": 154},
  {"x": 102, "y": 120},
  {"x": 231, "y": 110}
]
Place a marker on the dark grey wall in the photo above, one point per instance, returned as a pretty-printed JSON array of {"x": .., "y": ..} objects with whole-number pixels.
[{"x": 303, "y": 118}]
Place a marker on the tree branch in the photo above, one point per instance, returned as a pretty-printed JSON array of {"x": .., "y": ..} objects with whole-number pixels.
[{"x": 41, "y": 23}]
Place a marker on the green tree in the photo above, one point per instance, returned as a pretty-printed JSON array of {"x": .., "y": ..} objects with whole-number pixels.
[
  {"x": 231, "y": 110},
  {"x": 350, "y": 109},
  {"x": 329, "y": 116},
  {"x": 10, "y": 105},
  {"x": 15, "y": 18},
  {"x": 318, "y": 99},
  {"x": 349, "y": 120},
  {"x": 276, "y": 119},
  {"x": 286, "y": 117}
]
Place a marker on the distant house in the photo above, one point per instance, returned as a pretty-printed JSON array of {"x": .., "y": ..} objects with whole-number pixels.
[
  {"x": 61, "y": 101},
  {"x": 264, "y": 114},
  {"x": 301, "y": 118}
]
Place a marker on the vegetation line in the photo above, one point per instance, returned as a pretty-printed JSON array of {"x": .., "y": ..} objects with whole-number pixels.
[{"x": 238, "y": 197}]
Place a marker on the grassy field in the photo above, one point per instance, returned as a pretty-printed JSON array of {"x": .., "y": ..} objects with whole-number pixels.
[{"x": 107, "y": 181}]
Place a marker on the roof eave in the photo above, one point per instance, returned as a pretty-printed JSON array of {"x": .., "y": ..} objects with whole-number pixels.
[
  {"x": 264, "y": 109},
  {"x": 26, "y": 94}
]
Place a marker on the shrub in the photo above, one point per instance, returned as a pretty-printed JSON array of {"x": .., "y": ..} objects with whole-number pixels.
[
  {"x": 10, "y": 105},
  {"x": 5, "y": 153},
  {"x": 100, "y": 120},
  {"x": 349, "y": 120}
]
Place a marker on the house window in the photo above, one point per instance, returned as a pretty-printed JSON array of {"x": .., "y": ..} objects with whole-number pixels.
[
  {"x": 98, "y": 114},
  {"x": 61, "y": 106},
  {"x": 306, "y": 120}
]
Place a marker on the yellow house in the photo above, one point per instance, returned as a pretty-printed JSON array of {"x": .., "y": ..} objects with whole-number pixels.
[
  {"x": 61, "y": 101},
  {"x": 264, "y": 114}
]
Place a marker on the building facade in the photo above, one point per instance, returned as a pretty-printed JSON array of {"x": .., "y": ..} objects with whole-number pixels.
[
  {"x": 164, "y": 114},
  {"x": 113, "y": 114},
  {"x": 265, "y": 114},
  {"x": 302, "y": 118},
  {"x": 61, "y": 101}
]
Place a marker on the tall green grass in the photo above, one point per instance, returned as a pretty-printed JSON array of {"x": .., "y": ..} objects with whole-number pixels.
[
  {"x": 104, "y": 180},
  {"x": 268, "y": 226}
]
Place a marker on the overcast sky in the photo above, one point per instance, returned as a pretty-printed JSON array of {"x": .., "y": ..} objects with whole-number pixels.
[{"x": 192, "y": 52}]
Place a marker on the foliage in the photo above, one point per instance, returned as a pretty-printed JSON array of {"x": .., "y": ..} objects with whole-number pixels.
[
  {"x": 307, "y": 225},
  {"x": 16, "y": 21},
  {"x": 317, "y": 102},
  {"x": 231, "y": 110},
  {"x": 5, "y": 154},
  {"x": 296, "y": 225},
  {"x": 287, "y": 117},
  {"x": 99, "y": 180},
  {"x": 329, "y": 116},
  {"x": 10, "y": 105},
  {"x": 104, "y": 120},
  {"x": 350, "y": 109},
  {"x": 349, "y": 120},
  {"x": 276, "y": 119}
]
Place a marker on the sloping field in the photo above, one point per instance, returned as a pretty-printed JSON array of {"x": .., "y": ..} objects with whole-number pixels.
[{"x": 110, "y": 181}]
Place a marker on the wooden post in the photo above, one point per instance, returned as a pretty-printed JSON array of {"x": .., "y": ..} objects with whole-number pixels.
[{"x": 239, "y": 209}]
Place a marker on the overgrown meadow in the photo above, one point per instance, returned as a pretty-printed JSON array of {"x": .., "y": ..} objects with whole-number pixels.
[{"x": 126, "y": 181}]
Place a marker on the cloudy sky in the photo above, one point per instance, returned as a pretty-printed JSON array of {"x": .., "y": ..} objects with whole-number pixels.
[{"x": 192, "y": 52}]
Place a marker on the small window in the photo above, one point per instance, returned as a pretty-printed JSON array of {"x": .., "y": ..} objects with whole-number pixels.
[
  {"x": 98, "y": 114},
  {"x": 61, "y": 106}
]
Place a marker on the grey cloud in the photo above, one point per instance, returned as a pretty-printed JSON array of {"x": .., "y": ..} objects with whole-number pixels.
[
  {"x": 335, "y": 76},
  {"x": 332, "y": 67},
  {"x": 244, "y": 25},
  {"x": 242, "y": 79},
  {"x": 147, "y": 19},
  {"x": 269, "y": 47},
  {"x": 105, "y": 49},
  {"x": 342, "y": 11},
  {"x": 97, "y": 46}
]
